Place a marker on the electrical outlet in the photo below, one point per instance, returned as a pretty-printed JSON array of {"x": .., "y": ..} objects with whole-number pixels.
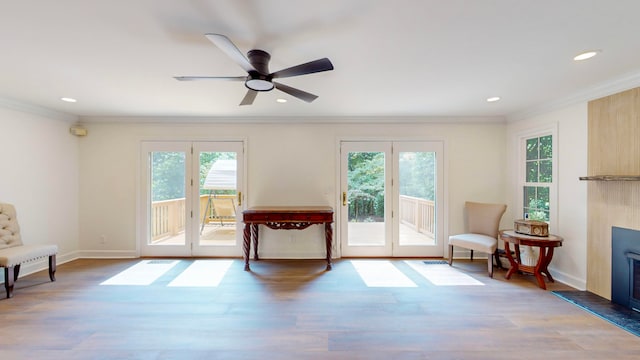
[{"x": 103, "y": 239}]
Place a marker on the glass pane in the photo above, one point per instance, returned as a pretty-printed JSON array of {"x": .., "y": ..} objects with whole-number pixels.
[
  {"x": 532, "y": 171},
  {"x": 417, "y": 185},
  {"x": 543, "y": 198},
  {"x": 536, "y": 203},
  {"x": 546, "y": 149},
  {"x": 545, "y": 171},
  {"x": 167, "y": 198},
  {"x": 532, "y": 149},
  {"x": 365, "y": 195},
  {"x": 529, "y": 197},
  {"x": 217, "y": 198}
]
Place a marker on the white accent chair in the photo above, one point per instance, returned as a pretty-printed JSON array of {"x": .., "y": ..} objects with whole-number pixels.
[
  {"x": 483, "y": 223},
  {"x": 14, "y": 253}
]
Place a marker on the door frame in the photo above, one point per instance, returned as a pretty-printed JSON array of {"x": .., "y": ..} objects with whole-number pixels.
[
  {"x": 191, "y": 222},
  {"x": 443, "y": 165}
]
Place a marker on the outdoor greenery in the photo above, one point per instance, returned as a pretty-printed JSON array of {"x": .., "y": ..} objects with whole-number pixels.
[
  {"x": 366, "y": 179},
  {"x": 168, "y": 173}
]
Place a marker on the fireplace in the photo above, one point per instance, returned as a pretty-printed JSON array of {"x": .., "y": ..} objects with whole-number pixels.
[{"x": 625, "y": 267}]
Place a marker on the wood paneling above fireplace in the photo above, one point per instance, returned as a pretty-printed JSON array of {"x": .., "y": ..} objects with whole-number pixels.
[{"x": 613, "y": 151}]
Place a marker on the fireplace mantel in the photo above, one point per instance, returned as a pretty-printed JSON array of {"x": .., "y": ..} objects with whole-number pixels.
[{"x": 611, "y": 178}]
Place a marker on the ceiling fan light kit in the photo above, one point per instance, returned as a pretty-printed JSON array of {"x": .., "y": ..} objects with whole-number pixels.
[{"x": 259, "y": 78}]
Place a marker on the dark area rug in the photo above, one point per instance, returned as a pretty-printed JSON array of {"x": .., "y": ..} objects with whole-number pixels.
[{"x": 618, "y": 315}]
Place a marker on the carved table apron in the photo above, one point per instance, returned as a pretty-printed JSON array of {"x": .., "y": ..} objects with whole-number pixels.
[{"x": 285, "y": 218}]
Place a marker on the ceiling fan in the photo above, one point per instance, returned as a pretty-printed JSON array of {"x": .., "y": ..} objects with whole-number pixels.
[{"x": 257, "y": 67}]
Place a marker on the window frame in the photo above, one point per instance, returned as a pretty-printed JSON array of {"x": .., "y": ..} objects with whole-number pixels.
[{"x": 522, "y": 173}]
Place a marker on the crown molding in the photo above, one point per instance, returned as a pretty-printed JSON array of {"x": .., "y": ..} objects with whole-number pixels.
[
  {"x": 396, "y": 120},
  {"x": 37, "y": 110},
  {"x": 626, "y": 82}
]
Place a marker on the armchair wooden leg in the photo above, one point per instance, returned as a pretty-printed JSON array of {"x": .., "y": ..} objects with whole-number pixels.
[
  {"x": 9, "y": 280},
  {"x": 52, "y": 267},
  {"x": 16, "y": 272},
  {"x": 496, "y": 256},
  {"x": 450, "y": 254},
  {"x": 490, "y": 265},
  {"x": 471, "y": 255}
]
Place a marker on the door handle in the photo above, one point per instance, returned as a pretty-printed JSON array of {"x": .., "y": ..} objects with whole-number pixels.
[
  {"x": 239, "y": 198},
  {"x": 344, "y": 198}
]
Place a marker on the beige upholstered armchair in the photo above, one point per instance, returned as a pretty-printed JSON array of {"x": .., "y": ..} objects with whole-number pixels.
[
  {"x": 483, "y": 223},
  {"x": 13, "y": 253}
]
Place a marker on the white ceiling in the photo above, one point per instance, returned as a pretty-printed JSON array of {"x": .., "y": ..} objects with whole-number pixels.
[{"x": 414, "y": 58}]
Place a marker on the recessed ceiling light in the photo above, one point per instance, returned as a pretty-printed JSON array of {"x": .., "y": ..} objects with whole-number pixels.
[
  {"x": 68, "y": 99},
  {"x": 282, "y": 101},
  {"x": 586, "y": 55},
  {"x": 493, "y": 99}
]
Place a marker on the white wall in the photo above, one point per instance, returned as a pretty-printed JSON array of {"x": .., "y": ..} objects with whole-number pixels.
[
  {"x": 287, "y": 164},
  {"x": 569, "y": 263},
  {"x": 39, "y": 175}
]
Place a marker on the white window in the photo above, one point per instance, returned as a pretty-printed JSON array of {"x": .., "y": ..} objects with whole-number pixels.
[{"x": 538, "y": 178}]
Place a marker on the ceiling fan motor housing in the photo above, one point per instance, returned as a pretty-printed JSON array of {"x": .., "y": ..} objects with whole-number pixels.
[{"x": 259, "y": 80}]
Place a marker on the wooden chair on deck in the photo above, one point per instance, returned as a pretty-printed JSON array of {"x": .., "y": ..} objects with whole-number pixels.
[{"x": 224, "y": 210}]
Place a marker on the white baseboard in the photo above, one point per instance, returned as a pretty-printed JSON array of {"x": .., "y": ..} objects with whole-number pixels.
[{"x": 574, "y": 282}]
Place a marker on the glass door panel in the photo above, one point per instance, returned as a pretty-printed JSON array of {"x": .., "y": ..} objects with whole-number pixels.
[
  {"x": 364, "y": 219},
  {"x": 165, "y": 206},
  {"x": 219, "y": 200},
  {"x": 167, "y": 198},
  {"x": 418, "y": 170}
]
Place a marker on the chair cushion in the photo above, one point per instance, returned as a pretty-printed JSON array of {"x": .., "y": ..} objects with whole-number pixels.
[
  {"x": 20, "y": 254},
  {"x": 477, "y": 242}
]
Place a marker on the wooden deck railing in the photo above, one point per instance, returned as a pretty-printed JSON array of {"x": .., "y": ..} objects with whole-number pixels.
[
  {"x": 418, "y": 214},
  {"x": 168, "y": 216}
]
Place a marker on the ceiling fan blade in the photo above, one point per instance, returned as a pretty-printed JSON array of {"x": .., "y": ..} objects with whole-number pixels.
[
  {"x": 306, "y": 68},
  {"x": 249, "y": 97},
  {"x": 227, "y": 47},
  {"x": 195, "y": 78},
  {"x": 302, "y": 95}
]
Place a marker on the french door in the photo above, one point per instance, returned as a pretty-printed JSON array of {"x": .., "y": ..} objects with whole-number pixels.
[
  {"x": 191, "y": 198},
  {"x": 391, "y": 198}
]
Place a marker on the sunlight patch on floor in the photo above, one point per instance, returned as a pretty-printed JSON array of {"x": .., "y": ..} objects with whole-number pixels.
[
  {"x": 442, "y": 274},
  {"x": 203, "y": 273},
  {"x": 381, "y": 273},
  {"x": 143, "y": 273}
]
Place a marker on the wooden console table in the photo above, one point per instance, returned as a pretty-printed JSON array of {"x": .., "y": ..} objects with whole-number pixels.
[
  {"x": 285, "y": 218},
  {"x": 546, "y": 244}
]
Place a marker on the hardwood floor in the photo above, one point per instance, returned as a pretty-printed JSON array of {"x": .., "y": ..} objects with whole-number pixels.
[{"x": 296, "y": 310}]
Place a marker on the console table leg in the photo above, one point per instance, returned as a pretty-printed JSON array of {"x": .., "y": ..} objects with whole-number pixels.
[
  {"x": 246, "y": 245},
  {"x": 254, "y": 232},
  {"x": 328, "y": 233}
]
